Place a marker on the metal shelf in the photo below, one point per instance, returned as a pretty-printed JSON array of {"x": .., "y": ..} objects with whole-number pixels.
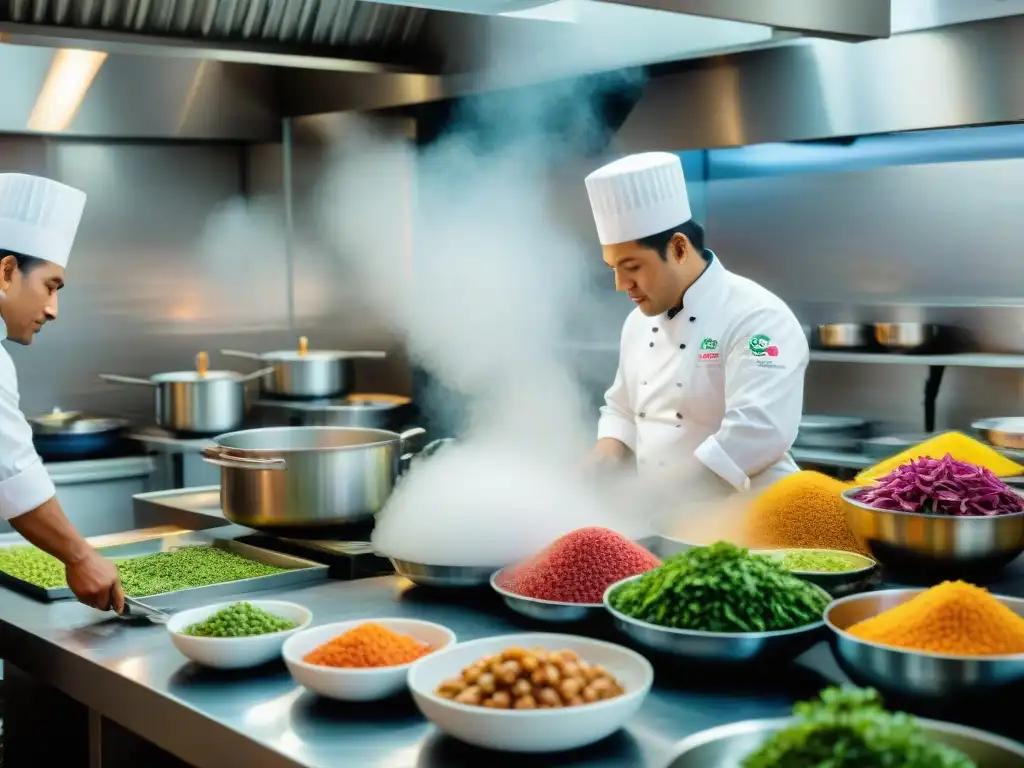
[{"x": 962, "y": 360}]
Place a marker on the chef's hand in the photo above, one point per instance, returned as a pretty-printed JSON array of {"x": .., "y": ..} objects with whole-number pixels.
[
  {"x": 94, "y": 581},
  {"x": 608, "y": 453}
]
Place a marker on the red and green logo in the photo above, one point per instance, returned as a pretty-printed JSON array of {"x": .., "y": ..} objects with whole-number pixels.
[{"x": 761, "y": 346}]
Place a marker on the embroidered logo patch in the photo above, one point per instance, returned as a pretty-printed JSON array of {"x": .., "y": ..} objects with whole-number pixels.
[
  {"x": 708, "y": 344},
  {"x": 761, "y": 346}
]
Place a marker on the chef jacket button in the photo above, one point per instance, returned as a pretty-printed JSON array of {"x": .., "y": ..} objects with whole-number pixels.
[
  {"x": 679, "y": 426},
  {"x": 682, "y": 346},
  {"x": 692, "y": 318},
  {"x": 654, "y": 330},
  {"x": 679, "y": 415},
  {"x": 644, "y": 383},
  {"x": 651, "y": 344},
  {"x": 679, "y": 383},
  {"x": 642, "y": 414}
]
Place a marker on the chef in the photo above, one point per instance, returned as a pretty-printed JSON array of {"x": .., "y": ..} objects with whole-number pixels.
[
  {"x": 709, "y": 388},
  {"x": 38, "y": 222}
]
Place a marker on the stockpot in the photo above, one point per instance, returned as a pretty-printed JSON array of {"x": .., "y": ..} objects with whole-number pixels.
[
  {"x": 307, "y": 477},
  {"x": 198, "y": 402},
  {"x": 306, "y": 373}
]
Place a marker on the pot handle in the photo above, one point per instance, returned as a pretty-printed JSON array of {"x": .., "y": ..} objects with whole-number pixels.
[
  {"x": 405, "y": 456},
  {"x": 257, "y": 375},
  {"x": 239, "y": 353},
  {"x": 115, "y": 379},
  {"x": 214, "y": 454},
  {"x": 367, "y": 355}
]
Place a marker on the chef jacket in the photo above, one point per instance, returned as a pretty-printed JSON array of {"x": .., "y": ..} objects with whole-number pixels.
[
  {"x": 24, "y": 482},
  {"x": 715, "y": 383}
]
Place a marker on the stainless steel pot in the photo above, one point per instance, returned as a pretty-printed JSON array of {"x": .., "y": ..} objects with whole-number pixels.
[
  {"x": 194, "y": 402},
  {"x": 1003, "y": 432},
  {"x": 305, "y": 373},
  {"x": 307, "y": 477},
  {"x": 65, "y": 435},
  {"x": 844, "y": 336},
  {"x": 907, "y": 337}
]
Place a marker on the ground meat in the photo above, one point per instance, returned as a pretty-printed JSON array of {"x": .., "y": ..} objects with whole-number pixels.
[{"x": 578, "y": 567}]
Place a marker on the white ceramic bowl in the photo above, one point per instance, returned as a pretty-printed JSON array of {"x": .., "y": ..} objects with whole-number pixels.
[
  {"x": 235, "y": 652},
  {"x": 357, "y": 684},
  {"x": 540, "y": 730}
]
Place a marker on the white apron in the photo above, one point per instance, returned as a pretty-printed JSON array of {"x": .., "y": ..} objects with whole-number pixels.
[{"x": 715, "y": 386}]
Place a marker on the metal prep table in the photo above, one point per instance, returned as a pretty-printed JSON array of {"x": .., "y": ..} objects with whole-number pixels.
[{"x": 113, "y": 683}]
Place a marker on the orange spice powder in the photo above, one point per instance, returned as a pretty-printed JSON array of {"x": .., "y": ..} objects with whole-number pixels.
[{"x": 368, "y": 646}]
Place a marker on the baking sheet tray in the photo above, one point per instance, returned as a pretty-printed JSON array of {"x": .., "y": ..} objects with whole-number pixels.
[{"x": 300, "y": 571}]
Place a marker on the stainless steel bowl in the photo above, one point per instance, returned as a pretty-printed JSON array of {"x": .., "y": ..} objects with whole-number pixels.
[
  {"x": 1006, "y": 432},
  {"x": 906, "y": 337},
  {"x": 718, "y": 647},
  {"x": 835, "y": 583},
  {"x": 901, "y": 672},
  {"x": 445, "y": 576},
  {"x": 845, "y": 336},
  {"x": 889, "y": 445},
  {"x": 727, "y": 745},
  {"x": 546, "y": 610},
  {"x": 932, "y": 543}
]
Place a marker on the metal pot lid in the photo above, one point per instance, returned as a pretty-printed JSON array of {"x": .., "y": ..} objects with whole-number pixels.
[
  {"x": 1012, "y": 424},
  {"x": 59, "y": 422},
  {"x": 902, "y": 440},
  {"x": 193, "y": 377},
  {"x": 313, "y": 355},
  {"x": 813, "y": 422}
]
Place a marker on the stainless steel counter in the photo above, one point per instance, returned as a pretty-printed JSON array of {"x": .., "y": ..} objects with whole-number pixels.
[{"x": 130, "y": 674}]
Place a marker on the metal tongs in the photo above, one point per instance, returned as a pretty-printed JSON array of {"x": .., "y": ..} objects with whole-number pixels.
[{"x": 134, "y": 609}]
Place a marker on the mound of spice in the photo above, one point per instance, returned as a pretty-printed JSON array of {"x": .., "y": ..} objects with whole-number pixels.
[
  {"x": 820, "y": 562},
  {"x": 956, "y": 444},
  {"x": 801, "y": 511},
  {"x": 953, "y": 618},
  {"x": 578, "y": 567},
  {"x": 943, "y": 487},
  {"x": 721, "y": 588},
  {"x": 367, "y": 646}
]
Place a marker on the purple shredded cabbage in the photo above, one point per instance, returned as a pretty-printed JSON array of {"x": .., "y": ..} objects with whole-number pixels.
[{"x": 943, "y": 487}]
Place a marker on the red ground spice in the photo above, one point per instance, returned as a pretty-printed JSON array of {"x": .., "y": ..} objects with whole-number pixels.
[{"x": 578, "y": 567}]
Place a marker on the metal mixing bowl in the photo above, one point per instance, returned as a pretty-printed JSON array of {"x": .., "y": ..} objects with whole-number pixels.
[
  {"x": 834, "y": 582},
  {"x": 902, "y": 672},
  {"x": 727, "y": 745},
  {"x": 546, "y": 610},
  {"x": 1006, "y": 432},
  {"x": 906, "y": 337},
  {"x": 931, "y": 543},
  {"x": 719, "y": 647},
  {"x": 447, "y": 576}
]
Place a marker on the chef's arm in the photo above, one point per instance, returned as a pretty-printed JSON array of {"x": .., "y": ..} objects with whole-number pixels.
[
  {"x": 764, "y": 388},
  {"x": 48, "y": 528},
  {"x": 28, "y": 499},
  {"x": 616, "y": 429}
]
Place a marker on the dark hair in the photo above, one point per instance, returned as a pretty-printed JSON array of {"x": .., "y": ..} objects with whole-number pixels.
[
  {"x": 693, "y": 231},
  {"x": 25, "y": 263}
]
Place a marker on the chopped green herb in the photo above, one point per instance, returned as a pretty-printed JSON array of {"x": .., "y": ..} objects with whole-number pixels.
[
  {"x": 849, "y": 728},
  {"x": 821, "y": 562},
  {"x": 239, "y": 620},
  {"x": 721, "y": 588}
]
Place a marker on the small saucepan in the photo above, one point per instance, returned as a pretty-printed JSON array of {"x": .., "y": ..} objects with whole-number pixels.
[
  {"x": 69, "y": 435},
  {"x": 199, "y": 402},
  {"x": 304, "y": 373}
]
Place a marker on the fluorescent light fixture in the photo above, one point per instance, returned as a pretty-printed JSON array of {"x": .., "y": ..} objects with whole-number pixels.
[{"x": 71, "y": 73}]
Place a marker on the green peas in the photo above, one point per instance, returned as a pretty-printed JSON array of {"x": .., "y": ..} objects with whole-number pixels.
[
  {"x": 239, "y": 620},
  {"x": 33, "y": 566}
]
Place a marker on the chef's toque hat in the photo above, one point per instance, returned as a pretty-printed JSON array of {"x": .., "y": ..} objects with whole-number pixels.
[
  {"x": 39, "y": 217},
  {"x": 638, "y": 196}
]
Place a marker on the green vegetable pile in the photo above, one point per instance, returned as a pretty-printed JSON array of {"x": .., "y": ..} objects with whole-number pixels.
[
  {"x": 721, "y": 588},
  {"x": 849, "y": 728},
  {"x": 183, "y": 568},
  {"x": 33, "y": 566},
  {"x": 239, "y": 620},
  {"x": 821, "y": 562}
]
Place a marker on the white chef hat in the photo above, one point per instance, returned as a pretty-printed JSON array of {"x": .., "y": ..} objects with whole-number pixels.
[
  {"x": 638, "y": 196},
  {"x": 39, "y": 217}
]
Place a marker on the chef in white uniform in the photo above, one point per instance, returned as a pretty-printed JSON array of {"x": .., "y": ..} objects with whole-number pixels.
[
  {"x": 38, "y": 222},
  {"x": 709, "y": 388}
]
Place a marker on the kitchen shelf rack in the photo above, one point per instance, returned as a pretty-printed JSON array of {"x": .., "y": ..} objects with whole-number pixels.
[{"x": 960, "y": 360}]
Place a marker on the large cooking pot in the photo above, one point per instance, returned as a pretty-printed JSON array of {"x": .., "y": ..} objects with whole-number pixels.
[
  {"x": 66, "y": 435},
  {"x": 307, "y": 477},
  {"x": 199, "y": 402},
  {"x": 306, "y": 373}
]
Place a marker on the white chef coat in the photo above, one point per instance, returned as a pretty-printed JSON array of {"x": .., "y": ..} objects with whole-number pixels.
[
  {"x": 716, "y": 383},
  {"x": 24, "y": 481}
]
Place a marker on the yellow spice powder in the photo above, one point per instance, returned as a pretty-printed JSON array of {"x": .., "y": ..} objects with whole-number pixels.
[
  {"x": 958, "y": 445},
  {"x": 952, "y": 618}
]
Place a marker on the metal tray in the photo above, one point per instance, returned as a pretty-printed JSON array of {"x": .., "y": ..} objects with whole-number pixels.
[{"x": 301, "y": 571}]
